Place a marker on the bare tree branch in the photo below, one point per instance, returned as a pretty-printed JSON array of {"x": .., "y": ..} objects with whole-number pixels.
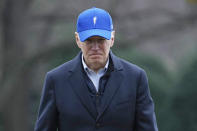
[{"x": 177, "y": 23}]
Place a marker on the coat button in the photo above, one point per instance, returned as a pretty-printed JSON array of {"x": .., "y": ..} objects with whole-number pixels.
[
  {"x": 97, "y": 94},
  {"x": 98, "y": 125}
]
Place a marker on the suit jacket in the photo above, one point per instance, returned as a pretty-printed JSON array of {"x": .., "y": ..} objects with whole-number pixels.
[{"x": 126, "y": 103}]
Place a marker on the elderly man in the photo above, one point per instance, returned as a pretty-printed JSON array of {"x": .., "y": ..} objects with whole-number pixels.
[{"x": 96, "y": 90}]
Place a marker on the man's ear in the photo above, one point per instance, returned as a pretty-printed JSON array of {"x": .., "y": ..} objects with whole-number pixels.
[
  {"x": 77, "y": 39},
  {"x": 112, "y": 38}
]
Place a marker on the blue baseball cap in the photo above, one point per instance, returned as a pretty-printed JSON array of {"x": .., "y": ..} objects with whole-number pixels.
[{"x": 94, "y": 22}]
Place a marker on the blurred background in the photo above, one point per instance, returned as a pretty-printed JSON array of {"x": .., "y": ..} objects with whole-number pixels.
[{"x": 158, "y": 35}]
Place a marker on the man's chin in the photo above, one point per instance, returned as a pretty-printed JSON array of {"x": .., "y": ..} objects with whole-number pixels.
[{"x": 96, "y": 61}]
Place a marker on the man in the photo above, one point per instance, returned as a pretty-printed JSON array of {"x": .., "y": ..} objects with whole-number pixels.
[{"x": 96, "y": 90}]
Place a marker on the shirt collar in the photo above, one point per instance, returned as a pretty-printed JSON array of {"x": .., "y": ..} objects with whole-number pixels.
[{"x": 86, "y": 68}]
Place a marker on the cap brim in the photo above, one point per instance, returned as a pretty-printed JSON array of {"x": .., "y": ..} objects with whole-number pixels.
[{"x": 94, "y": 32}]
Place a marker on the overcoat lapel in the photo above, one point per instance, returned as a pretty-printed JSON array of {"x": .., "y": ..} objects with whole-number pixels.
[
  {"x": 78, "y": 85},
  {"x": 113, "y": 84},
  {"x": 111, "y": 88}
]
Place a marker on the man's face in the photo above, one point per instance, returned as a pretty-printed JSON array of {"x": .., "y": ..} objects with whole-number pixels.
[{"x": 95, "y": 50}]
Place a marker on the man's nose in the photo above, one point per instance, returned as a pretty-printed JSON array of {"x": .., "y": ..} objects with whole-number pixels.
[{"x": 95, "y": 45}]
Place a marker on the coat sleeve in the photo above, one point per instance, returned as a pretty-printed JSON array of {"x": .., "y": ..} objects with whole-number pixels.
[
  {"x": 145, "y": 115},
  {"x": 47, "y": 114}
]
